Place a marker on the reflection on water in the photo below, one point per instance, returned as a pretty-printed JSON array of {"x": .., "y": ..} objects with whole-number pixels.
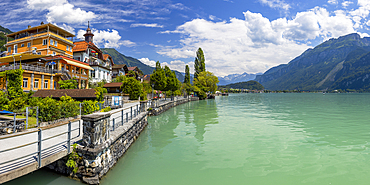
[{"x": 253, "y": 139}]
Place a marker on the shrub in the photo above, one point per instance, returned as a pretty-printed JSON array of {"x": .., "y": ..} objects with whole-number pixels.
[
  {"x": 106, "y": 109},
  {"x": 90, "y": 106},
  {"x": 16, "y": 104}
]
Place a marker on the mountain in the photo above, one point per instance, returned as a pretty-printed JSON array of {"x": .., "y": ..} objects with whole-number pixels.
[
  {"x": 119, "y": 58},
  {"x": 3, "y": 32},
  {"x": 251, "y": 85},
  {"x": 336, "y": 63},
  {"x": 234, "y": 78}
]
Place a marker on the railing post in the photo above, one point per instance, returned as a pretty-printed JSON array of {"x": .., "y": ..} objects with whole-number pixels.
[
  {"x": 113, "y": 124},
  {"x": 126, "y": 116},
  {"x": 80, "y": 109},
  {"x": 69, "y": 138},
  {"x": 26, "y": 117},
  {"x": 131, "y": 113},
  {"x": 37, "y": 116},
  {"x": 122, "y": 117},
  {"x": 137, "y": 109},
  {"x": 39, "y": 147},
  {"x": 15, "y": 124}
]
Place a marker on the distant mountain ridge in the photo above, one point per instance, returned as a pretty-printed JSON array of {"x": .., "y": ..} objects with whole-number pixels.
[
  {"x": 235, "y": 78},
  {"x": 335, "y": 64},
  {"x": 119, "y": 58},
  {"x": 3, "y": 32}
]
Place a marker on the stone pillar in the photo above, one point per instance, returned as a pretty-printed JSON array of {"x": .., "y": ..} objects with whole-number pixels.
[
  {"x": 95, "y": 129},
  {"x": 32, "y": 81},
  {"x": 51, "y": 83},
  {"x": 42, "y": 81}
]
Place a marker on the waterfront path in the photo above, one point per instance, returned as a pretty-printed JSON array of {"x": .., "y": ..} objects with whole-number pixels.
[{"x": 24, "y": 152}]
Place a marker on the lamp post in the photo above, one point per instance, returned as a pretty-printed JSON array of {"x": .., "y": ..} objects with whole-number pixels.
[
  {"x": 152, "y": 89},
  {"x": 13, "y": 60}
]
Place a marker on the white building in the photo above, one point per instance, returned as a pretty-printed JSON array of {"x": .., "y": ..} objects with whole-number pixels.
[{"x": 86, "y": 51}]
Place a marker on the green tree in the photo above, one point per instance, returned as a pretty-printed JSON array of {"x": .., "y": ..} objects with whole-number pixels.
[
  {"x": 99, "y": 92},
  {"x": 68, "y": 84},
  {"x": 206, "y": 81},
  {"x": 158, "y": 78},
  {"x": 172, "y": 81},
  {"x": 14, "y": 78},
  {"x": 132, "y": 87},
  {"x": 199, "y": 63},
  {"x": 187, "y": 75}
]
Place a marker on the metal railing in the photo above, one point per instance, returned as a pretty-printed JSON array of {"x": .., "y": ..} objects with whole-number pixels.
[{"x": 30, "y": 156}]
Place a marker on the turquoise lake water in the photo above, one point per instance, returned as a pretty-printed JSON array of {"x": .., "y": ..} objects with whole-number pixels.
[{"x": 260, "y": 139}]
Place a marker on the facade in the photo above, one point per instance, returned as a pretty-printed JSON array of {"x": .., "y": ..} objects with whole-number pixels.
[
  {"x": 139, "y": 73},
  {"x": 119, "y": 69},
  {"x": 45, "y": 39},
  {"x": 44, "y": 53},
  {"x": 87, "y": 52}
]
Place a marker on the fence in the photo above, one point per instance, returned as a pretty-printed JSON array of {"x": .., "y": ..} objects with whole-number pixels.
[
  {"x": 120, "y": 116},
  {"x": 40, "y": 144}
]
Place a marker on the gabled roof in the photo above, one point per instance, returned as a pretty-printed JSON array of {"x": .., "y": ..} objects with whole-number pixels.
[
  {"x": 113, "y": 84},
  {"x": 135, "y": 68},
  {"x": 74, "y": 93},
  {"x": 119, "y": 66},
  {"x": 83, "y": 45}
]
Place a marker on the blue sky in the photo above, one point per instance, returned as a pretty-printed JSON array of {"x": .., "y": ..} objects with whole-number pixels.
[{"x": 236, "y": 36}]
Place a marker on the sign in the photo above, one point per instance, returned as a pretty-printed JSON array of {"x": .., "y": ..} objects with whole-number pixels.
[{"x": 116, "y": 100}]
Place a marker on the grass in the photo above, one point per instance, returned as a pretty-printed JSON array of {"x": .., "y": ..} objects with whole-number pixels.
[{"x": 31, "y": 120}]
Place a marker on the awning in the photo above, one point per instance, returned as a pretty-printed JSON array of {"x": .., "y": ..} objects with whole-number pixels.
[
  {"x": 19, "y": 57},
  {"x": 70, "y": 62},
  {"x": 6, "y": 112}
]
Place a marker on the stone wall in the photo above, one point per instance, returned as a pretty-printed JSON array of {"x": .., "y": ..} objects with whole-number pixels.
[
  {"x": 101, "y": 147},
  {"x": 164, "y": 107}
]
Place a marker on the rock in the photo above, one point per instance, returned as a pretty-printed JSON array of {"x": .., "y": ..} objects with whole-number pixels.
[{"x": 91, "y": 180}]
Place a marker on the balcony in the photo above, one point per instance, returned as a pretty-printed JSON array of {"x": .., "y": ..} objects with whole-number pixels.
[
  {"x": 29, "y": 67},
  {"x": 96, "y": 63}
]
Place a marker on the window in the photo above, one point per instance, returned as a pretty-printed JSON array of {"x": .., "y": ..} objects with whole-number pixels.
[
  {"x": 70, "y": 48},
  {"x": 56, "y": 43},
  {"x": 67, "y": 48},
  {"x": 39, "y": 53},
  {"x": 29, "y": 44},
  {"x": 46, "y": 83},
  {"x": 54, "y": 53},
  {"x": 92, "y": 73},
  {"x": 15, "y": 48},
  {"x": 52, "y": 42},
  {"x": 25, "y": 82},
  {"x": 36, "y": 84},
  {"x": 9, "y": 49},
  {"x": 77, "y": 58},
  {"x": 22, "y": 45},
  {"x": 45, "y": 42}
]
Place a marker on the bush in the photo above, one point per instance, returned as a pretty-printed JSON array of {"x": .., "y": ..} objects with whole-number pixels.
[
  {"x": 16, "y": 104},
  {"x": 106, "y": 109},
  {"x": 3, "y": 101},
  {"x": 90, "y": 106}
]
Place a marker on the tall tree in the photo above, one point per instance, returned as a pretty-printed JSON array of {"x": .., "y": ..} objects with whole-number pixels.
[
  {"x": 132, "y": 87},
  {"x": 199, "y": 63},
  {"x": 187, "y": 75},
  {"x": 206, "y": 81},
  {"x": 158, "y": 77},
  {"x": 172, "y": 81}
]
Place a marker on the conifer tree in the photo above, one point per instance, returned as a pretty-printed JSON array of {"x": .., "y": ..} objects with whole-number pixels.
[
  {"x": 187, "y": 75},
  {"x": 158, "y": 78},
  {"x": 199, "y": 63}
]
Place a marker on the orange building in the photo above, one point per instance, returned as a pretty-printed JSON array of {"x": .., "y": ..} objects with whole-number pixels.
[
  {"x": 45, "y": 39},
  {"x": 45, "y": 53}
]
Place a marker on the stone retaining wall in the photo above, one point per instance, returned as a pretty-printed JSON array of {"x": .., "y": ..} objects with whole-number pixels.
[{"x": 164, "y": 107}]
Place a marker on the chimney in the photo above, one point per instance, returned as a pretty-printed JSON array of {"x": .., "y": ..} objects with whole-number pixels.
[
  {"x": 42, "y": 23},
  {"x": 29, "y": 26}
]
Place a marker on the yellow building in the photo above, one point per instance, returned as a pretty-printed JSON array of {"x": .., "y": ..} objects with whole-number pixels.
[
  {"x": 45, "y": 53},
  {"x": 45, "y": 39}
]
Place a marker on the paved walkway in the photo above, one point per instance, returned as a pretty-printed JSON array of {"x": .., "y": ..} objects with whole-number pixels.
[{"x": 19, "y": 151}]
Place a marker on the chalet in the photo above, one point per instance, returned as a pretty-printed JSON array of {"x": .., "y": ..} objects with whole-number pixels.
[
  {"x": 119, "y": 69},
  {"x": 87, "y": 52},
  {"x": 138, "y": 72}
]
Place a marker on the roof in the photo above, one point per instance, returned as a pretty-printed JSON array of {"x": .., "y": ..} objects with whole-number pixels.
[
  {"x": 133, "y": 69},
  {"x": 106, "y": 56},
  {"x": 80, "y": 46},
  {"x": 18, "y": 57},
  {"x": 83, "y": 45},
  {"x": 74, "y": 93},
  {"x": 118, "y": 66},
  {"x": 146, "y": 78},
  {"x": 70, "y": 61},
  {"x": 113, "y": 84},
  {"x": 52, "y": 26}
]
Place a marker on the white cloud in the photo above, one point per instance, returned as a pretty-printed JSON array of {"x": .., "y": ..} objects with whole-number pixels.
[
  {"x": 276, "y": 4},
  {"x": 179, "y": 66},
  {"x": 44, "y": 4},
  {"x": 61, "y": 11},
  {"x": 153, "y": 25},
  {"x": 147, "y": 61},
  {"x": 68, "y": 28},
  {"x": 106, "y": 38},
  {"x": 346, "y": 3},
  {"x": 333, "y": 1},
  {"x": 256, "y": 43}
]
